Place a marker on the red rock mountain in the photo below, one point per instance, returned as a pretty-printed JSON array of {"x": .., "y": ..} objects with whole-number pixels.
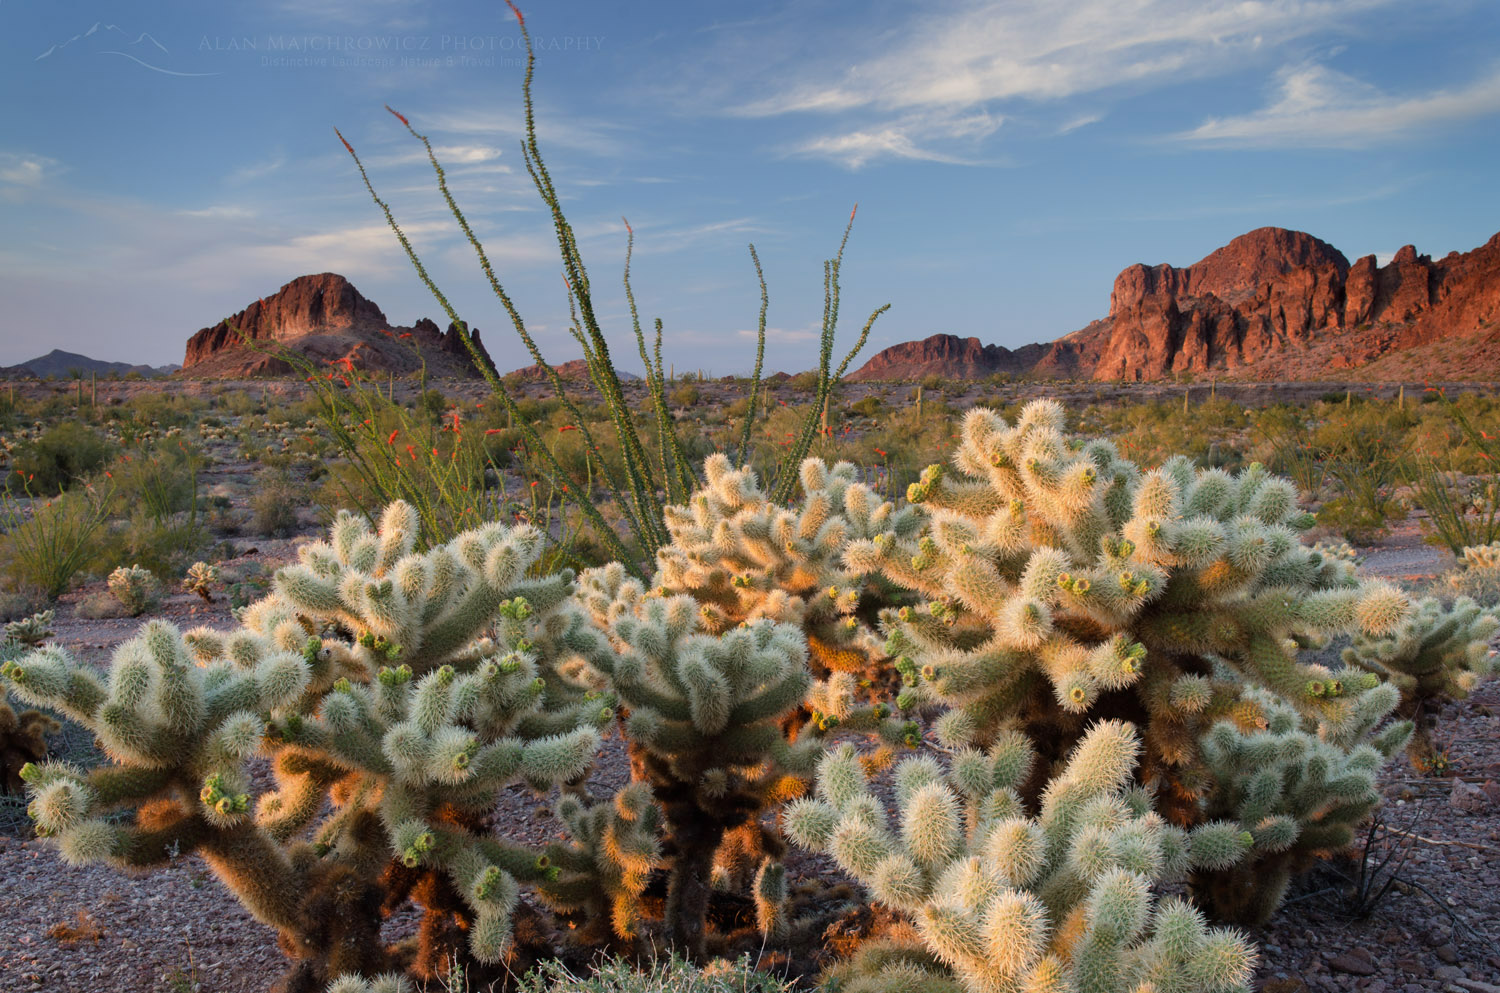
[
  {"x": 324, "y": 319},
  {"x": 1272, "y": 304}
]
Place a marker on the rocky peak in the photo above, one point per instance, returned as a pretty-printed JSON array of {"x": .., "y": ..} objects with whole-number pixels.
[{"x": 324, "y": 318}]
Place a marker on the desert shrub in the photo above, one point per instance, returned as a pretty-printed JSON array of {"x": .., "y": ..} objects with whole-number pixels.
[
  {"x": 687, "y": 397},
  {"x": 159, "y": 480},
  {"x": 431, "y": 403},
  {"x": 63, "y": 455},
  {"x": 671, "y": 975},
  {"x": 47, "y": 547},
  {"x": 868, "y": 406},
  {"x": 273, "y": 506}
]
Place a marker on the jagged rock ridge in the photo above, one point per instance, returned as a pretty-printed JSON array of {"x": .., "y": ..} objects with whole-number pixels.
[
  {"x": 1272, "y": 303},
  {"x": 325, "y": 319}
]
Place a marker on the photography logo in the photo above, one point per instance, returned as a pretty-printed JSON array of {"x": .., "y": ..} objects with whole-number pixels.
[{"x": 143, "y": 49}]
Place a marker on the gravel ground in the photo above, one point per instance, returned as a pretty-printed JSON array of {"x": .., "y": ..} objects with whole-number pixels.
[{"x": 176, "y": 930}]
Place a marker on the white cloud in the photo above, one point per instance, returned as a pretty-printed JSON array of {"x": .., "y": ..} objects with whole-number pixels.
[
  {"x": 907, "y": 138},
  {"x": 926, "y": 82},
  {"x": 1081, "y": 121},
  {"x": 1317, "y": 106},
  {"x": 1041, "y": 49},
  {"x": 25, "y": 170}
]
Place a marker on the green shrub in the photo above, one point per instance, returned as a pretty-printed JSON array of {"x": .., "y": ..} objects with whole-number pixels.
[
  {"x": 273, "y": 506},
  {"x": 46, "y": 549},
  {"x": 65, "y": 454}
]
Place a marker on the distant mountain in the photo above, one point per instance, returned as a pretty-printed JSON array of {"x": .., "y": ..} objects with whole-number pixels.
[
  {"x": 1271, "y": 304},
  {"x": 325, "y": 320},
  {"x": 573, "y": 369},
  {"x": 60, "y": 364}
]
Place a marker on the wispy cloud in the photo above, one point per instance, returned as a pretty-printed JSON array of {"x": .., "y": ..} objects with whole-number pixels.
[
  {"x": 1316, "y": 106},
  {"x": 924, "y": 84},
  {"x": 910, "y": 137},
  {"x": 220, "y": 212},
  {"x": 256, "y": 170},
  {"x": 25, "y": 170}
]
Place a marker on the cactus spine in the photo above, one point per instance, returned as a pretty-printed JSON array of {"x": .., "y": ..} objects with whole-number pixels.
[
  {"x": 1002, "y": 901},
  {"x": 394, "y": 693},
  {"x": 1438, "y": 652}
]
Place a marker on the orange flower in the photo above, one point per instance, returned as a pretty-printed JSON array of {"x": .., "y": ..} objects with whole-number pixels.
[
  {"x": 490, "y": 431},
  {"x": 392, "y": 439},
  {"x": 568, "y": 427},
  {"x": 880, "y": 452},
  {"x": 399, "y": 117}
]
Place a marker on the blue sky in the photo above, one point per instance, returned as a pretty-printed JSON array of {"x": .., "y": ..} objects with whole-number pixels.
[{"x": 163, "y": 164}]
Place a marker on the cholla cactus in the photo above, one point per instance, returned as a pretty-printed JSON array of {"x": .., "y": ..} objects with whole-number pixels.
[
  {"x": 605, "y": 865},
  {"x": 30, "y": 631},
  {"x": 200, "y": 579},
  {"x": 1482, "y": 556},
  {"x": 1062, "y": 580},
  {"x": 1298, "y": 789},
  {"x": 742, "y": 558},
  {"x": 23, "y": 736},
  {"x": 134, "y": 587},
  {"x": 395, "y": 693},
  {"x": 1062, "y": 901},
  {"x": 1437, "y": 652},
  {"x": 1479, "y": 575},
  {"x": 706, "y": 724}
]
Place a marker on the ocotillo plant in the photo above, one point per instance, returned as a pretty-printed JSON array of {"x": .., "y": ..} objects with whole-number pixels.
[
  {"x": 643, "y": 485},
  {"x": 1002, "y": 901},
  {"x": 1298, "y": 789},
  {"x": 395, "y": 694},
  {"x": 1064, "y": 583},
  {"x": 1437, "y": 653}
]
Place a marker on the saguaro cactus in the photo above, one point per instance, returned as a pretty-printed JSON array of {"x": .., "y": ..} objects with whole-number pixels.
[
  {"x": 395, "y": 694},
  {"x": 1002, "y": 901}
]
